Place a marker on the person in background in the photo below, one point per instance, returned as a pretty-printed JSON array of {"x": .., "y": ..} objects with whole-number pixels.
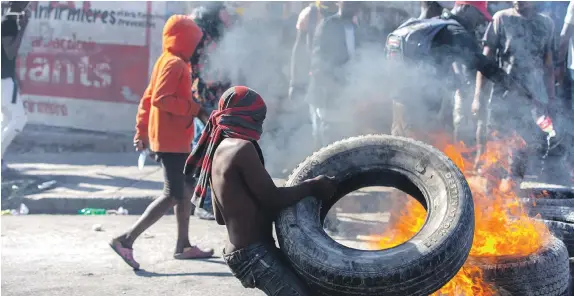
[
  {"x": 449, "y": 39},
  {"x": 334, "y": 45},
  {"x": 522, "y": 40},
  {"x": 566, "y": 76},
  {"x": 207, "y": 83},
  {"x": 14, "y": 118},
  {"x": 246, "y": 200},
  {"x": 165, "y": 126},
  {"x": 308, "y": 19},
  {"x": 566, "y": 58}
]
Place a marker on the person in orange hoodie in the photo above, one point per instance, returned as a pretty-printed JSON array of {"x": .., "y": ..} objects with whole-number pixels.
[{"x": 165, "y": 126}]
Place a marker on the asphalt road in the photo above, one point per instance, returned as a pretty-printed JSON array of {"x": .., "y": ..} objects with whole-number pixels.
[{"x": 62, "y": 255}]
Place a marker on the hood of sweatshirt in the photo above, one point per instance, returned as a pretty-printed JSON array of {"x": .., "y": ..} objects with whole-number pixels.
[{"x": 181, "y": 36}]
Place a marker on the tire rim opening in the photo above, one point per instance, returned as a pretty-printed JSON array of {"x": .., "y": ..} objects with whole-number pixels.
[{"x": 366, "y": 211}]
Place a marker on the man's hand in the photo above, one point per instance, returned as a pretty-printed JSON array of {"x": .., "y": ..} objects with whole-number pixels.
[
  {"x": 324, "y": 187},
  {"x": 475, "y": 107},
  {"x": 140, "y": 145},
  {"x": 23, "y": 19}
]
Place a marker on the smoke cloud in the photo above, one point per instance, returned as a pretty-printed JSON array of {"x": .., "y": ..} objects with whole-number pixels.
[{"x": 257, "y": 53}]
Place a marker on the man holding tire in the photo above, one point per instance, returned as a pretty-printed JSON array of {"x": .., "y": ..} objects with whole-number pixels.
[{"x": 246, "y": 200}]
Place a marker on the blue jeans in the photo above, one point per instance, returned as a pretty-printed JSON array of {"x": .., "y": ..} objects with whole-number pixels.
[
  {"x": 263, "y": 266},
  {"x": 198, "y": 129}
]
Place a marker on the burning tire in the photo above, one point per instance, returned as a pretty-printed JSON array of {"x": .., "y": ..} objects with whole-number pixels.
[
  {"x": 421, "y": 265},
  {"x": 563, "y": 231},
  {"x": 554, "y": 213},
  {"x": 549, "y": 202},
  {"x": 545, "y": 273}
]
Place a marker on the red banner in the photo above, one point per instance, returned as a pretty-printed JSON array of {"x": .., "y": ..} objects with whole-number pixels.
[{"x": 60, "y": 63}]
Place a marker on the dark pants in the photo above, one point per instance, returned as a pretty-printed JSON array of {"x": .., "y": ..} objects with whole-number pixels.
[
  {"x": 262, "y": 266},
  {"x": 176, "y": 184}
]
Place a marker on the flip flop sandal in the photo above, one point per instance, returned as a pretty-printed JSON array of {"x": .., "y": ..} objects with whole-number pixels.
[
  {"x": 193, "y": 253},
  {"x": 126, "y": 254}
]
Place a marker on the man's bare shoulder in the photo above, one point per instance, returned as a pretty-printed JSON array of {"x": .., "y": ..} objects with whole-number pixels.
[{"x": 236, "y": 150}]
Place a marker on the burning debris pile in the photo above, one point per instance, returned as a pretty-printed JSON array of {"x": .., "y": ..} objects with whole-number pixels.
[{"x": 505, "y": 237}]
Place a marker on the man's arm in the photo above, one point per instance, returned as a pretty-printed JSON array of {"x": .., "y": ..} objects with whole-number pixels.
[
  {"x": 166, "y": 87},
  {"x": 480, "y": 98},
  {"x": 549, "y": 79},
  {"x": 262, "y": 186},
  {"x": 142, "y": 118},
  {"x": 299, "y": 53}
]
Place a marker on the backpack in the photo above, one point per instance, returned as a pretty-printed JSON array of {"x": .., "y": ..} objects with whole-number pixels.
[{"x": 413, "y": 39}]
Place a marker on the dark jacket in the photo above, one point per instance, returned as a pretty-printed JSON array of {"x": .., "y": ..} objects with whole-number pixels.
[
  {"x": 329, "y": 57},
  {"x": 329, "y": 46}
]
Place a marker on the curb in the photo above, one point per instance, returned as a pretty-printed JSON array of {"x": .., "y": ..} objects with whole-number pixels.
[{"x": 70, "y": 205}]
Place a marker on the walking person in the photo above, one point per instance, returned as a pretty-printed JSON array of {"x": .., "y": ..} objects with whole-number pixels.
[
  {"x": 165, "y": 126},
  {"x": 307, "y": 22},
  {"x": 334, "y": 45},
  {"x": 14, "y": 117},
  {"x": 246, "y": 200}
]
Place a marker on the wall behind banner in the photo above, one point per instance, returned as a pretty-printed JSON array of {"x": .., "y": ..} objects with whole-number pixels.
[{"x": 85, "y": 64}]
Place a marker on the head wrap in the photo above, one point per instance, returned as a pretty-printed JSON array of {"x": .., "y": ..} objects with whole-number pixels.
[{"x": 240, "y": 115}]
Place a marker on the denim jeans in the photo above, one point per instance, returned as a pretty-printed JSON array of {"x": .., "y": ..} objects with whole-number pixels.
[
  {"x": 262, "y": 266},
  {"x": 198, "y": 129}
]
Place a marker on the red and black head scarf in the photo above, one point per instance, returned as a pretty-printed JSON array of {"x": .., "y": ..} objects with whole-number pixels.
[{"x": 240, "y": 115}]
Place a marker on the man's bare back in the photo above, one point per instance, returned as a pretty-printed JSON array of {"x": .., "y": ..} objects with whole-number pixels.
[
  {"x": 246, "y": 198},
  {"x": 236, "y": 207}
]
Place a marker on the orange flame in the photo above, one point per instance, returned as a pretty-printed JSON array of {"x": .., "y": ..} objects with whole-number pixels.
[{"x": 502, "y": 226}]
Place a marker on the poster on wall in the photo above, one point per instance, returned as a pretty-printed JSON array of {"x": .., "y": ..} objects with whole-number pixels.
[{"x": 85, "y": 64}]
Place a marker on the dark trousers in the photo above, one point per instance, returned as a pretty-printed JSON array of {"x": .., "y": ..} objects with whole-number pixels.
[{"x": 262, "y": 266}]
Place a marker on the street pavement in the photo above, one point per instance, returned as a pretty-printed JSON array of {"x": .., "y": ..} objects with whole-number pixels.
[
  {"x": 62, "y": 255},
  {"x": 59, "y": 255},
  {"x": 100, "y": 180}
]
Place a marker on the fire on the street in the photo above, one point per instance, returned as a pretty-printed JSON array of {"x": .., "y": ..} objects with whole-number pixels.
[{"x": 502, "y": 227}]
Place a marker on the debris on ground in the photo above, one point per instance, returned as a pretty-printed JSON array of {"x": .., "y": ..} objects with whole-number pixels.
[
  {"x": 47, "y": 185},
  {"x": 101, "y": 212},
  {"x": 22, "y": 210}
]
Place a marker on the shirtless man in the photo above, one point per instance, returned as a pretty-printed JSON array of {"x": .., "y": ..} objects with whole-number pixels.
[{"x": 245, "y": 198}]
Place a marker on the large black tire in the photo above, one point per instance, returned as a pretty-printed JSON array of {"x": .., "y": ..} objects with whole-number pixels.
[
  {"x": 549, "y": 202},
  {"x": 420, "y": 266},
  {"x": 571, "y": 260},
  {"x": 554, "y": 213},
  {"x": 553, "y": 191},
  {"x": 563, "y": 231},
  {"x": 545, "y": 273}
]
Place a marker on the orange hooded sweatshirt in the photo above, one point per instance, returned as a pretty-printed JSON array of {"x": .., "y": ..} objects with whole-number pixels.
[{"x": 166, "y": 111}]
